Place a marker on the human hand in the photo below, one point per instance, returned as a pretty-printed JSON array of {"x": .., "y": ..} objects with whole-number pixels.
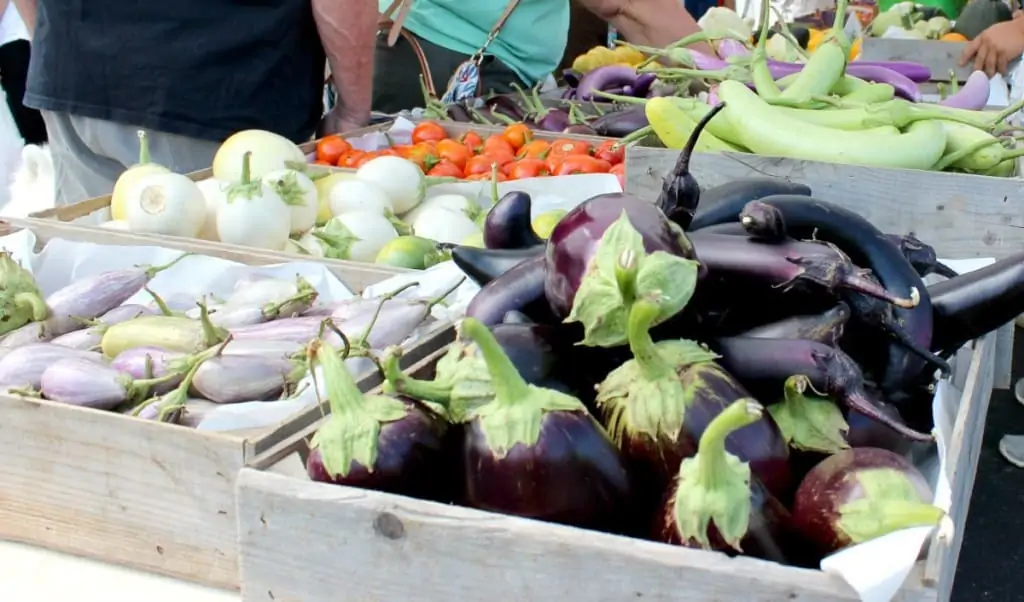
[
  {"x": 996, "y": 47},
  {"x": 336, "y": 122}
]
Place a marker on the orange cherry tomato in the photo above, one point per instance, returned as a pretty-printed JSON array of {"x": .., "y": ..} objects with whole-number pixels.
[
  {"x": 619, "y": 171},
  {"x": 527, "y": 168},
  {"x": 565, "y": 147},
  {"x": 518, "y": 135},
  {"x": 428, "y": 130},
  {"x": 367, "y": 158},
  {"x": 485, "y": 177},
  {"x": 454, "y": 151},
  {"x": 535, "y": 149},
  {"x": 422, "y": 155},
  {"x": 388, "y": 152},
  {"x": 553, "y": 162},
  {"x": 351, "y": 158},
  {"x": 446, "y": 169},
  {"x": 480, "y": 165},
  {"x": 331, "y": 148},
  {"x": 472, "y": 140},
  {"x": 611, "y": 151},
  {"x": 498, "y": 146},
  {"x": 576, "y": 164}
]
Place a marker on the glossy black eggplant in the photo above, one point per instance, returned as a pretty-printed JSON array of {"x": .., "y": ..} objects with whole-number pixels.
[
  {"x": 571, "y": 77},
  {"x": 869, "y": 248},
  {"x": 921, "y": 255},
  {"x": 973, "y": 304},
  {"x": 458, "y": 112},
  {"x": 680, "y": 192},
  {"x": 763, "y": 222},
  {"x": 506, "y": 105},
  {"x": 553, "y": 120},
  {"x": 722, "y": 204},
  {"x": 826, "y": 327},
  {"x": 484, "y": 265},
  {"x": 621, "y": 123},
  {"x": 519, "y": 289},
  {"x": 769, "y": 362},
  {"x": 508, "y": 224}
]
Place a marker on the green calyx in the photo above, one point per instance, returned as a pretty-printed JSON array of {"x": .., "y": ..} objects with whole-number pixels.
[
  {"x": 21, "y": 301},
  {"x": 714, "y": 486},
  {"x": 461, "y": 382},
  {"x": 621, "y": 272},
  {"x": 288, "y": 188},
  {"x": 646, "y": 394},
  {"x": 515, "y": 414},
  {"x": 295, "y": 304},
  {"x": 172, "y": 402},
  {"x": 889, "y": 502},
  {"x": 351, "y": 433},
  {"x": 246, "y": 188},
  {"x": 809, "y": 423},
  {"x": 400, "y": 227},
  {"x": 336, "y": 238}
]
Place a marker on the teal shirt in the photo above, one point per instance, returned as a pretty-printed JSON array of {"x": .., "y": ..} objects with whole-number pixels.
[{"x": 531, "y": 43}]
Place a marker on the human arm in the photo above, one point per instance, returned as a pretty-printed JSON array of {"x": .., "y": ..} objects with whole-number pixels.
[
  {"x": 648, "y": 22},
  {"x": 348, "y": 30},
  {"x": 995, "y": 48},
  {"x": 27, "y": 10}
]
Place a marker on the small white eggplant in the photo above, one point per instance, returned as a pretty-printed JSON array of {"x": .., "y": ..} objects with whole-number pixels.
[
  {"x": 165, "y": 203},
  {"x": 299, "y": 193},
  {"x": 253, "y": 214}
]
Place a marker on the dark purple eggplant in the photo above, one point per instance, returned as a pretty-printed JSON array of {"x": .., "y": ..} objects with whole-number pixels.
[
  {"x": 572, "y": 77},
  {"x": 506, "y": 105},
  {"x": 458, "y": 112},
  {"x": 807, "y": 218},
  {"x": 619, "y": 124},
  {"x": 716, "y": 503},
  {"x": 680, "y": 193},
  {"x": 824, "y": 328},
  {"x": 722, "y": 204},
  {"x": 861, "y": 494},
  {"x": 599, "y": 228},
  {"x": 581, "y": 129},
  {"x": 921, "y": 255},
  {"x": 553, "y": 120},
  {"x": 973, "y": 304},
  {"x": 658, "y": 405},
  {"x": 603, "y": 78},
  {"x": 387, "y": 443},
  {"x": 484, "y": 265},
  {"x": 867, "y": 432},
  {"x": 538, "y": 453},
  {"x": 643, "y": 84},
  {"x": 730, "y": 228},
  {"x": 831, "y": 371},
  {"x": 519, "y": 289},
  {"x": 763, "y": 221},
  {"x": 786, "y": 264},
  {"x": 508, "y": 224}
]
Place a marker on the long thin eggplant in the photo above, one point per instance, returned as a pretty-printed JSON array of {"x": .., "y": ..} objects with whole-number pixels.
[
  {"x": 237, "y": 378},
  {"x": 680, "y": 192},
  {"x": 824, "y": 328},
  {"x": 508, "y": 224},
  {"x": 869, "y": 248},
  {"x": 755, "y": 361},
  {"x": 921, "y": 255},
  {"x": 619, "y": 124},
  {"x": 519, "y": 289},
  {"x": 723, "y": 203},
  {"x": 973, "y": 304},
  {"x": 23, "y": 367},
  {"x": 785, "y": 264},
  {"x": 484, "y": 265}
]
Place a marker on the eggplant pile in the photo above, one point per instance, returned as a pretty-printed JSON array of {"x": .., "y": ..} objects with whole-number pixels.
[
  {"x": 749, "y": 379},
  {"x": 182, "y": 359}
]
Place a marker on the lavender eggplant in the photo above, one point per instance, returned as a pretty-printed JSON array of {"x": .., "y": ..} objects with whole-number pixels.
[
  {"x": 245, "y": 315},
  {"x": 866, "y": 246},
  {"x": 582, "y": 255},
  {"x": 973, "y": 95},
  {"x": 151, "y": 362},
  {"x": 826, "y": 327},
  {"x": 553, "y": 120},
  {"x": 23, "y": 366},
  {"x": 973, "y": 304},
  {"x": 168, "y": 407},
  {"x": 237, "y": 378},
  {"x": 787, "y": 264},
  {"x": 605, "y": 77},
  {"x": 33, "y": 332},
  {"x": 484, "y": 265},
  {"x": 519, "y": 289},
  {"x": 680, "y": 193},
  {"x": 861, "y": 494},
  {"x": 189, "y": 414},
  {"x": 920, "y": 255},
  {"x": 91, "y": 297},
  {"x": 387, "y": 443},
  {"x": 294, "y": 330},
  {"x": 22, "y": 301},
  {"x": 89, "y": 383},
  {"x": 723, "y": 203},
  {"x": 538, "y": 453},
  {"x": 716, "y": 503},
  {"x": 620, "y": 123},
  {"x": 831, "y": 371},
  {"x": 90, "y": 338},
  {"x": 508, "y": 223}
]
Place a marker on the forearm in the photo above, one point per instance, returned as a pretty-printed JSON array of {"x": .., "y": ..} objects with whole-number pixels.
[
  {"x": 27, "y": 10},
  {"x": 348, "y": 29},
  {"x": 648, "y": 22}
]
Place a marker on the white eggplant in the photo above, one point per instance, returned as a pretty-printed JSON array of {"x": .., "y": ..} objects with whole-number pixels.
[
  {"x": 253, "y": 214},
  {"x": 348, "y": 196},
  {"x": 356, "y": 236},
  {"x": 165, "y": 203},
  {"x": 443, "y": 225},
  {"x": 215, "y": 194},
  {"x": 299, "y": 193},
  {"x": 400, "y": 179}
]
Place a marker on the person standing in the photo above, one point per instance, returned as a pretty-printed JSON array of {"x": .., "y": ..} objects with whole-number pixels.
[
  {"x": 190, "y": 73},
  {"x": 14, "y": 60}
]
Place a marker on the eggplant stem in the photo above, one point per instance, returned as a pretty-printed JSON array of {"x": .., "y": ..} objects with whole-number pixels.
[
  {"x": 944, "y": 270},
  {"x": 682, "y": 166},
  {"x": 620, "y": 98},
  {"x": 894, "y": 331},
  {"x": 528, "y": 103},
  {"x": 862, "y": 403},
  {"x": 509, "y": 386},
  {"x": 711, "y": 452},
  {"x": 967, "y": 151},
  {"x": 144, "y": 156},
  {"x": 642, "y": 315},
  {"x": 158, "y": 300},
  {"x": 154, "y": 270},
  {"x": 444, "y": 295},
  {"x": 399, "y": 382},
  {"x": 211, "y": 334},
  {"x": 625, "y": 276}
]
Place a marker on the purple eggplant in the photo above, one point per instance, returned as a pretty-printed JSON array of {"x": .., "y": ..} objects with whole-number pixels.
[
  {"x": 484, "y": 265},
  {"x": 151, "y": 362},
  {"x": 508, "y": 224},
  {"x": 86, "y": 339},
  {"x": 621, "y": 123},
  {"x": 572, "y": 77},
  {"x": 680, "y": 193},
  {"x": 507, "y": 106},
  {"x": 826, "y": 327},
  {"x": 553, "y": 120},
  {"x": 973, "y": 95},
  {"x": 602, "y": 78},
  {"x": 642, "y": 85},
  {"x": 272, "y": 349},
  {"x": 23, "y": 366},
  {"x": 234, "y": 316},
  {"x": 772, "y": 361},
  {"x": 90, "y": 338},
  {"x": 724, "y": 202},
  {"x": 903, "y": 85},
  {"x": 33, "y": 332},
  {"x": 581, "y": 129},
  {"x": 764, "y": 222},
  {"x": 521, "y": 288},
  {"x": 913, "y": 71},
  {"x": 921, "y": 255},
  {"x": 88, "y": 383},
  {"x": 91, "y": 297},
  {"x": 236, "y": 378},
  {"x": 296, "y": 330}
]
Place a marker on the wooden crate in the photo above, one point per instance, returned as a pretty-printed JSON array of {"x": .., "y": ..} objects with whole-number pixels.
[
  {"x": 940, "y": 57},
  {"x": 313, "y": 542},
  {"x": 148, "y": 495}
]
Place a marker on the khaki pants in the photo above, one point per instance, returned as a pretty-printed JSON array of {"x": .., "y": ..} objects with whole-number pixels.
[{"x": 89, "y": 154}]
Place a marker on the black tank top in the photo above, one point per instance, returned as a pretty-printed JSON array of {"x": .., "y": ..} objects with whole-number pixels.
[{"x": 198, "y": 68}]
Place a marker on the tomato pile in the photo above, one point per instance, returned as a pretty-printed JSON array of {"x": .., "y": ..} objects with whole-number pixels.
[{"x": 471, "y": 157}]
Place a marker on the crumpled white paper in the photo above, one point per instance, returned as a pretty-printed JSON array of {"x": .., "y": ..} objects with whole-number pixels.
[{"x": 877, "y": 569}]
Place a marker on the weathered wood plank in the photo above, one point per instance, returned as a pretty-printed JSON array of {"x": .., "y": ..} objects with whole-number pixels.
[
  {"x": 1003, "y": 376},
  {"x": 963, "y": 216}
]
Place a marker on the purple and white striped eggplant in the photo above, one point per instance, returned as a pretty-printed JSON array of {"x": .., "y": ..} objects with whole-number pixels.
[
  {"x": 189, "y": 415},
  {"x": 85, "y": 383},
  {"x": 236, "y": 378},
  {"x": 93, "y": 296},
  {"x": 24, "y": 366},
  {"x": 271, "y": 349},
  {"x": 123, "y": 313},
  {"x": 151, "y": 362},
  {"x": 260, "y": 292},
  {"x": 398, "y": 318},
  {"x": 86, "y": 339},
  {"x": 234, "y": 316},
  {"x": 297, "y": 330},
  {"x": 33, "y": 332},
  {"x": 346, "y": 309}
]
